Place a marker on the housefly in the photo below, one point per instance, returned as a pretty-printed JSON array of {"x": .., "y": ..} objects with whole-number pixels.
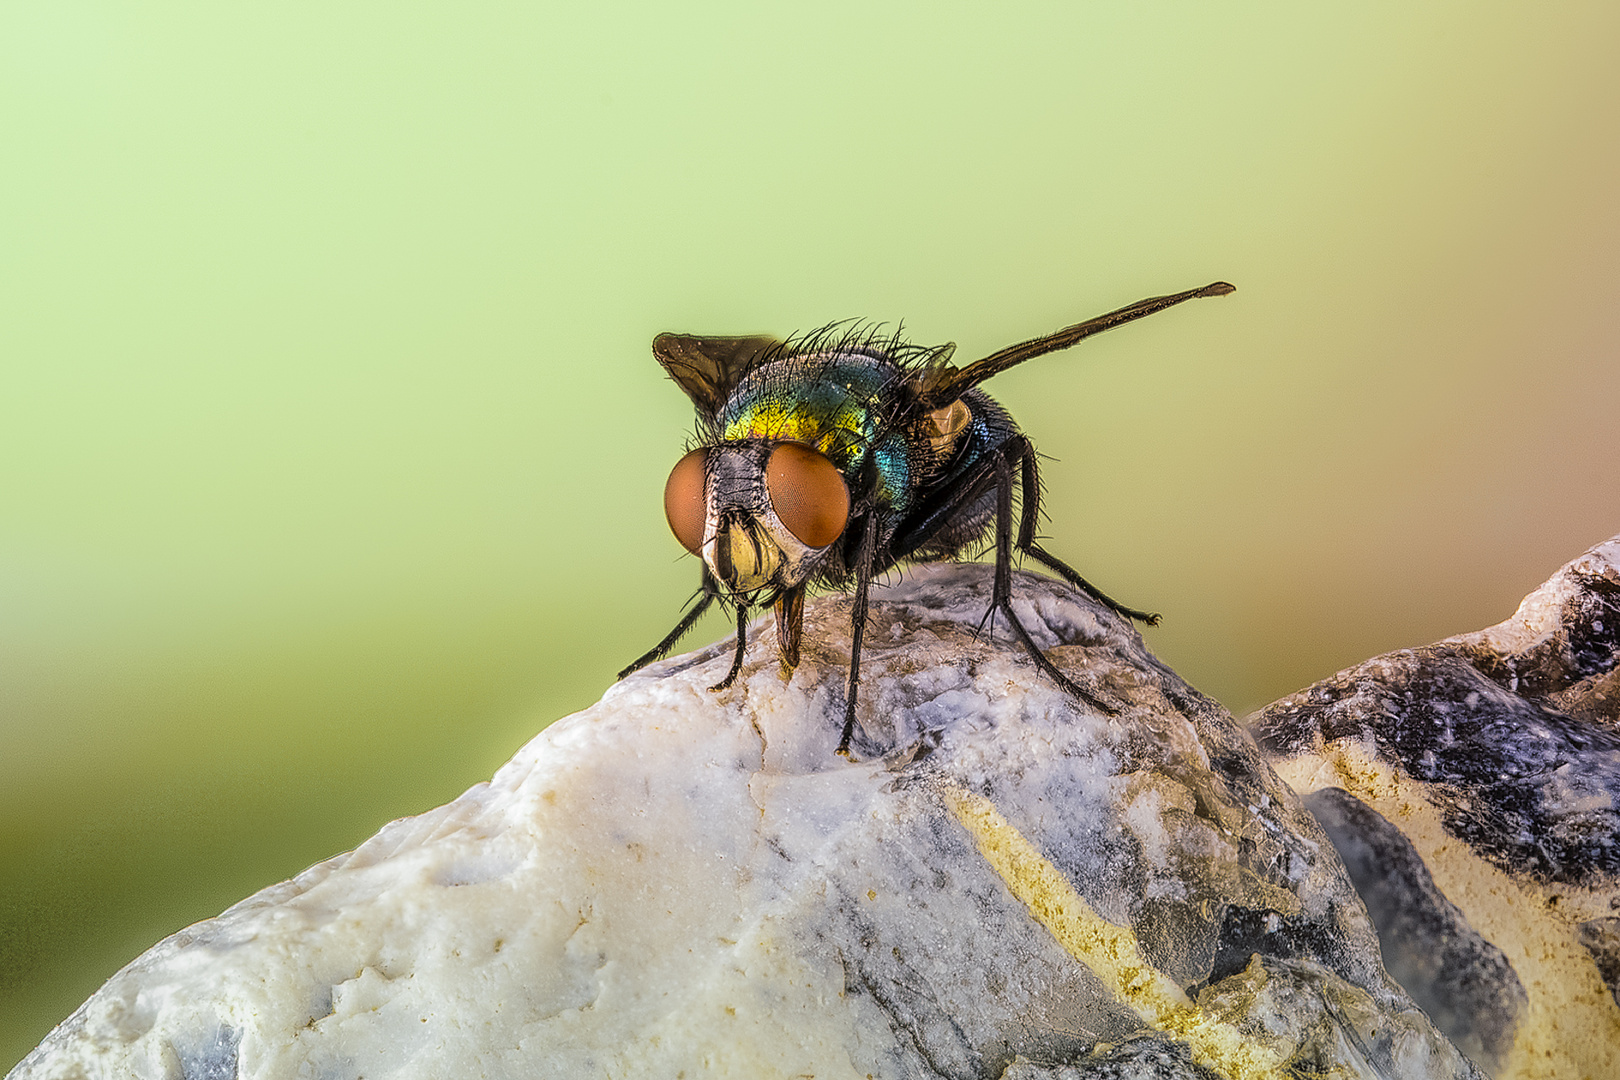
[{"x": 826, "y": 460}]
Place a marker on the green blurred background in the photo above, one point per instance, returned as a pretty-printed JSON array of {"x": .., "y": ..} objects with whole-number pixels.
[{"x": 331, "y": 448}]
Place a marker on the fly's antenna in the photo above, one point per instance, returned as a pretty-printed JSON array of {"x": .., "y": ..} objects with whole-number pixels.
[{"x": 948, "y": 384}]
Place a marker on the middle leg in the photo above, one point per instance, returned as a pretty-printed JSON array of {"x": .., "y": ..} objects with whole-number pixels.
[
  {"x": 1001, "y": 597},
  {"x": 742, "y": 645}
]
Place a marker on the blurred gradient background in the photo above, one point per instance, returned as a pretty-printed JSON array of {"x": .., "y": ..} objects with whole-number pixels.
[{"x": 331, "y": 447}]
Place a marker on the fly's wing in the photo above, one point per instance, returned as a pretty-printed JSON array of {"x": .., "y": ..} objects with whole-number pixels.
[
  {"x": 941, "y": 384},
  {"x": 708, "y": 367}
]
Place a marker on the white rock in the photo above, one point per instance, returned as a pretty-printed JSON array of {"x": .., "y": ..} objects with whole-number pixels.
[{"x": 679, "y": 882}]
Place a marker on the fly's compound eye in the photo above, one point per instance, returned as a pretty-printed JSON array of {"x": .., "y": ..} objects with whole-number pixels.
[
  {"x": 683, "y": 501},
  {"x": 808, "y": 494}
]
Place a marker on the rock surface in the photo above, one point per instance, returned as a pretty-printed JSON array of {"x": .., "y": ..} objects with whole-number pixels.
[
  {"x": 1473, "y": 789},
  {"x": 1004, "y": 883}
]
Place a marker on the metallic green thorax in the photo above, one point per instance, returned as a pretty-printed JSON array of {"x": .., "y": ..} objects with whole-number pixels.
[{"x": 826, "y": 401}]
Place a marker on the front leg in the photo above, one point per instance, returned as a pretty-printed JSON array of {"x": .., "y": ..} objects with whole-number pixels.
[
  {"x": 742, "y": 645},
  {"x": 863, "y": 581},
  {"x": 709, "y": 591}
]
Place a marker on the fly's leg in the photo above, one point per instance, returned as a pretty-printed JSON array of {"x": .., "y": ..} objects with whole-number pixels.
[
  {"x": 709, "y": 593},
  {"x": 917, "y": 529},
  {"x": 1002, "y": 597},
  {"x": 1066, "y": 572},
  {"x": 1026, "y": 543},
  {"x": 863, "y": 580},
  {"x": 1030, "y": 508},
  {"x": 742, "y": 644}
]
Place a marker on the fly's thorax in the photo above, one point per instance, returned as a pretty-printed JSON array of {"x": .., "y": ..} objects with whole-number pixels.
[
  {"x": 830, "y": 401},
  {"x": 842, "y": 403}
]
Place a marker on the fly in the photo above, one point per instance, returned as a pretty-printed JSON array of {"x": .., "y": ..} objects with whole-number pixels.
[{"x": 825, "y": 461}]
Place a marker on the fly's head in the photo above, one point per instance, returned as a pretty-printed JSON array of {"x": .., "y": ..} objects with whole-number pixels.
[
  {"x": 766, "y": 497},
  {"x": 761, "y": 514}
]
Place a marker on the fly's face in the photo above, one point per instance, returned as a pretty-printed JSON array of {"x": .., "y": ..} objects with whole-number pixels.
[{"x": 761, "y": 514}]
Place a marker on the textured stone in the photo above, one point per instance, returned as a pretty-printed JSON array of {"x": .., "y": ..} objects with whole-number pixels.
[
  {"x": 1143, "y": 1058},
  {"x": 1601, "y": 937},
  {"x": 1493, "y": 759},
  {"x": 677, "y": 880},
  {"x": 1462, "y": 981}
]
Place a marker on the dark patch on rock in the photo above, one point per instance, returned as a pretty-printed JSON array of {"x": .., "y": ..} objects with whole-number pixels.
[
  {"x": 1585, "y": 643},
  {"x": 1514, "y": 731},
  {"x": 1174, "y": 938},
  {"x": 1145, "y": 1058},
  {"x": 1602, "y": 939},
  {"x": 211, "y": 1057},
  {"x": 927, "y": 1031},
  {"x": 1465, "y": 983},
  {"x": 321, "y": 1001},
  {"x": 1247, "y": 932}
]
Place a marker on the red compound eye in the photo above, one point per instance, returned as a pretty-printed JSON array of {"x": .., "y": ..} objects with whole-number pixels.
[
  {"x": 808, "y": 494},
  {"x": 683, "y": 501}
]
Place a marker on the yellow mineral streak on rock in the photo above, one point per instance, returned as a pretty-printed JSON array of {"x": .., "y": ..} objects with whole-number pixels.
[
  {"x": 1571, "y": 1027},
  {"x": 1109, "y": 951}
]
